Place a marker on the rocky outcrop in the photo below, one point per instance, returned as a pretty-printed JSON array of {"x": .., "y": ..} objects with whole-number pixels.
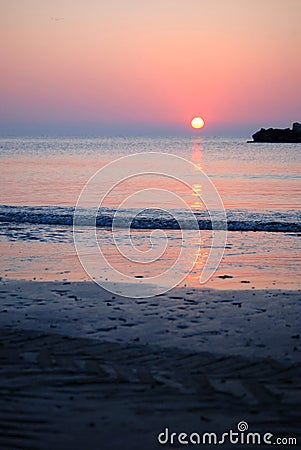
[
  {"x": 297, "y": 127},
  {"x": 279, "y": 134}
]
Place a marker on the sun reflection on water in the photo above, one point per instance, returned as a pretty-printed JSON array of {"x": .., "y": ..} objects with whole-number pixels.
[{"x": 196, "y": 159}]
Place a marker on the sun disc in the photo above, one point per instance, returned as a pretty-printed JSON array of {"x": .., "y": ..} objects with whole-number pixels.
[{"x": 197, "y": 122}]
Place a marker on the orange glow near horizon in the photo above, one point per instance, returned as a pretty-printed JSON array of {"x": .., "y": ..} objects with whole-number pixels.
[{"x": 150, "y": 63}]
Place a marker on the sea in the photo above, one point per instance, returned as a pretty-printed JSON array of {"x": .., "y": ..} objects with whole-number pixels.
[{"x": 160, "y": 192}]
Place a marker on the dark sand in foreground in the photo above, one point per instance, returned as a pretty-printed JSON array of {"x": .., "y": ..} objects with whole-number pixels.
[{"x": 74, "y": 384}]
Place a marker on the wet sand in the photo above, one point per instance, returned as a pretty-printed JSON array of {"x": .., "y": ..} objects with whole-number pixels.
[{"x": 81, "y": 369}]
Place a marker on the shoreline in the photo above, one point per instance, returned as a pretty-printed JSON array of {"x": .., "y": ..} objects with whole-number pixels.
[{"x": 250, "y": 261}]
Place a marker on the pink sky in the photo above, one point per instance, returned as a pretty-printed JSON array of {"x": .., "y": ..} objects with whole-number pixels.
[{"x": 150, "y": 63}]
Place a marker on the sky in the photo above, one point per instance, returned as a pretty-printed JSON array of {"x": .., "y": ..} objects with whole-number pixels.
[{"x": 147, "y": 67}]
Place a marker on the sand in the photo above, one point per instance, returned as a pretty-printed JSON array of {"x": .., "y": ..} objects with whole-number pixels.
[{"x": 81, "y": 369}]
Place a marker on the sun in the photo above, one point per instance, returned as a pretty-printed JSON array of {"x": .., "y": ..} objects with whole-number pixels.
[{"x": 197, "y": 122}]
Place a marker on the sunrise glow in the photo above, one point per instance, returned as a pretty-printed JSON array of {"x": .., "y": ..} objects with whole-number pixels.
[{"x": 243, "y": 73}]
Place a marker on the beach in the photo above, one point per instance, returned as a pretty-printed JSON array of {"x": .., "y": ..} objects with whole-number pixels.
[
  {"x": 104, "y": 365},
  {"x": 82, "y": 367},
  {"x": 150, "y": 257}
]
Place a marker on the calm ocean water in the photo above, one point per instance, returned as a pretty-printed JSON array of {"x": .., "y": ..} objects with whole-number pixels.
[
  {"x": 42, "y": 178},
  {"x": 257, "y": 182}
]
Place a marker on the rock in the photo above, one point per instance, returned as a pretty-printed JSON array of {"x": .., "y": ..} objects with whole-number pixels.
[
  {"x": 297, "y": 127},
  {"x": 279, "y": 134}
]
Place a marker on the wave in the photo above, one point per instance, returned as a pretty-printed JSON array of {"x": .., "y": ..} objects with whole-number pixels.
[{"x": 237, "y": 220}]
